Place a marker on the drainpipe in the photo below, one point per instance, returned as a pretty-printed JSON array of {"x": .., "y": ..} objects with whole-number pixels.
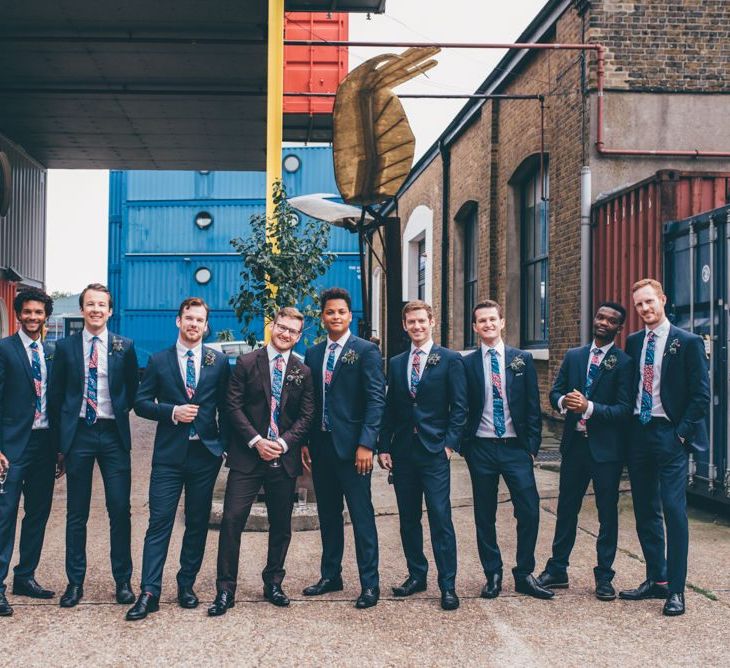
[
  {"x": 585, "y": 254},
  {"x": 446, "y": 174}
]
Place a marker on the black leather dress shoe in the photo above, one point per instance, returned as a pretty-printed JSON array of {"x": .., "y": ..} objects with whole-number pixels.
[
  {"x": 186, "y": 598},
  {"x": 72, "y": 596},
  {"x": 275, "y": 594},
  {"x": 674, "y": 605},
  {"x": 530, "y": 586},
  {"x": 125, "y": 594},
  {"x": 223, "y": 601},
  {"x": 5, "y": 608},
  {"x": 146, "y": 604},
  {"x": 324, "y": 586},
  {"x": 647, "y": 589},
  {"x": 410, "y": 586},
  {"x": 605, "y": 591},
  {"x": 449, "y": 600},
  {"x": 31, "y": 588},
  {"x": 550, "y": 581},
  {"x": 368, "y": 598},
  {"x": 493, "y": 586}
]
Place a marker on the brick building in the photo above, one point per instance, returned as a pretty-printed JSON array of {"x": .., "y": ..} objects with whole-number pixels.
[{"x": 493, "y": 208}]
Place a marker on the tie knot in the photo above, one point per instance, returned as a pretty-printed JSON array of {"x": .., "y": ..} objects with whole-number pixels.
[
  {"x": 94, "y": 339},
  {"x": 652, "y": 336},
  {"x": 333, "y": 346},
  {"x": 417, "y": 351},
  {"x": 34, "y": 345},
  {"x": 492, "y": 351},
  {"x": 596, "y": 351},
  {"x": 190, "y": 353}
]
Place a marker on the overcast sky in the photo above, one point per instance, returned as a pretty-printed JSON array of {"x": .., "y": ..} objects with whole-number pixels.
[{"x": 78, "y": 199}]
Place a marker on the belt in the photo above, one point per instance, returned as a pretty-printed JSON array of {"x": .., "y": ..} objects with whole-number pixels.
[
  {"x": 498, "y": 441},
  {"x": 100, "y": 422},
  {"x": 654, "y": 420}
]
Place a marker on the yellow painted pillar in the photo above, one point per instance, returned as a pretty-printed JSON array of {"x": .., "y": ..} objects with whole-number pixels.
[{"x": 274, "y": 106}]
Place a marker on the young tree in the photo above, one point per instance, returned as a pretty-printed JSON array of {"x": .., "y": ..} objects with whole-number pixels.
[{"x": 280, "y": 263}]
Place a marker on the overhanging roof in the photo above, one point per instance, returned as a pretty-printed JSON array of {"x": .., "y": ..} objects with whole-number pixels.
[{"x": 143, "y": 84}]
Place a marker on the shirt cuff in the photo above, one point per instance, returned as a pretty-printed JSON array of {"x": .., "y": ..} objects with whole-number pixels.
[
  {"x": 589, "y": 411},
  {"x": 563, "y": 411},
  {"x": 174, "y": 419},
  {"x": 283, "y": 444},
  {"x": 254, "y": 440}
]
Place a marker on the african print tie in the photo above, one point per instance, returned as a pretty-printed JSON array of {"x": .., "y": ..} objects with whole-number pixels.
[
  {"x": 91, "y": 383},
  {"x": 497, "y": 398},
  {"x": 37, "y": 378},
  {"x": 329, "y": 370},
  {"x": 647, "y": 395}
]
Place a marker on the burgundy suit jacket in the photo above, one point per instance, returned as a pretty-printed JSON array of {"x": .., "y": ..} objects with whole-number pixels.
[{"x": 249, "y": 410}]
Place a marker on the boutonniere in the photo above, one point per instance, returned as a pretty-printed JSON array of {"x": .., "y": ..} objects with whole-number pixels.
[
  {"x": 609, "y": 362},
  {"x": 350, "y": 357},
  {"x": 209, "y": 359},
  {"x": 433, "y": 359},
  {"x": 117, "y": 345},
  {"x": 295, "y": 376},
  {"x": 517, "y": 364},
  {"x": 49, "y": 357},
  {"x": 674, "y": 347}
]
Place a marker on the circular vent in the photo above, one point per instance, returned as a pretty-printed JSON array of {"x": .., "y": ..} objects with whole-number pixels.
[{"x": 6, "y": 184}]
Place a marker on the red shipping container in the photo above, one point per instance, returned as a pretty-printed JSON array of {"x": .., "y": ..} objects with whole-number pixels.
[
  {"x": 314, "y": 69},
  {"x": 8, "y": 322},
  {"x": 627, "y": 230}
]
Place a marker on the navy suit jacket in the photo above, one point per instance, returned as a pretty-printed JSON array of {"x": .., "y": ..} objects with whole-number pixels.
[
  {"x": 685, "y": 384},
  {"x": 66, "y": 386},
  {"x": 162, "y": 389},
  {"x": 249, "y": 409},
  {"x": 522, "y": 392},
  {"x": 612, "y": 393},
  {"x": 438, "y": 411},
  {"x": 17, "y": 395},
  {"x": 356, "y": 396}
]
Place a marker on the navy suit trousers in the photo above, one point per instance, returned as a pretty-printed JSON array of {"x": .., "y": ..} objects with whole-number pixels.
[
  {"x": 487, "y": 460},
  {"x": 197, "y": 477},
  {"x": 658, "y": 472},
  {"x": 577, "y": 469},
  {"x": 32, "y": 475},
  {"x": 99, "y": 442},
  {"x": 334, "y": 479},
  {"x": 419, "y": 473}
]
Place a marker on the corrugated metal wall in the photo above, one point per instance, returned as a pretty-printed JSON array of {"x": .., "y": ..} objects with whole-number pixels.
[
  {"x": 23, "y": 230},
  {"x": 627, "y": 230},
  {"x": 155, "y": 247},
  {"x": 8, "y": 322}
]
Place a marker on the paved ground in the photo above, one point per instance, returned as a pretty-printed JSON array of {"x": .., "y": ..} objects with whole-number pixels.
[{"x": 574, "y": 629}]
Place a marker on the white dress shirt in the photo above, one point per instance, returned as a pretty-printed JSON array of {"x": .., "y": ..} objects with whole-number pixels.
[
  {"x": 341, "y": 342},
  {"x": 182, "y": 364},
  {"x": 272, "y": 353},
  {"x": 40, "y": 422},
  {"x": 426, "y": 348},
  {"x": 660, "y": 343},
  {"x": 104, "y": 408},
  {"x": 589, "y": 411},
  {"x": 486, "y": 423}
]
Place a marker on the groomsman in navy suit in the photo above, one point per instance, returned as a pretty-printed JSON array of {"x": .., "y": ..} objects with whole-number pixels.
[
  {"x": 426, "y": 410},
  {"x": 503, "y": 438},
  {"x": 349, "y": 393},
  {"x": 27, "y": 451},
  {"x": 671, "y": 400},
  {"x": 92, "y": 390},
  {"x": 594, "y": 390},
  {"x": 184, "y": 391},
  {"x": 270, "y": 405}
]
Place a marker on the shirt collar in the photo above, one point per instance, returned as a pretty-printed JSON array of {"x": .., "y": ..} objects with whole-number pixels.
[
  {"x": 499, "y": 348},
  {"x": 273, "y": 352},
  {"x": 660, "y": 331},
  {"x": 341, "y": 341},
  {"x": 26, "y": 340},
  {"x": 102, "y": 336},
  {"x": 426, "y": 347},
  {"x": 182, "y": 350},
  {"x": 603, "y": 349}
]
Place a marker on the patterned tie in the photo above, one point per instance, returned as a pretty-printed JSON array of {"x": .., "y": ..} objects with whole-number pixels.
[
  {"x": 37, "y": 379},
  {"x": 277, "y": 379},
  {"x": 592, "y": 372},
  {"x": 190, "y": 384},
  {"x": 497, "y": 400},
  {"x": 415, "y": 371},
  {"x": 329, "y": 370},
  {"x": 91, "y": 384},
  {"x": 647, "y": 396}
]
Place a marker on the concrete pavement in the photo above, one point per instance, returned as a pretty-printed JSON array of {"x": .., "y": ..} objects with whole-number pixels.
[{"x": 571, "y": 630}]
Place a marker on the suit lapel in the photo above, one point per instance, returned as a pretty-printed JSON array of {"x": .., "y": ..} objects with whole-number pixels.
[
  {"x": 110, "y": 360},
  {"x": 667, "y": 357},
  {"x": 204, "y": 369},
  {"x": 426, "y": 367},
  {"x": 602, "y": 368},
  {"x": 338, "y": 365},
  {"x": 23, "y": 359},
  {"x": 262, "y": 365},
  {"x": 509, "y": 355},
  {"x": 78, "y": 352},
  {"x": 175, "y": 371},
  {"x": 478, "y": 364},
  {"x": 583, "y": 359},
  {"x": 290, "y": 365}
]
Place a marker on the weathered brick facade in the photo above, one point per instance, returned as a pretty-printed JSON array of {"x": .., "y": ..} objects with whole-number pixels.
[{"x": 651, "y": 46}]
